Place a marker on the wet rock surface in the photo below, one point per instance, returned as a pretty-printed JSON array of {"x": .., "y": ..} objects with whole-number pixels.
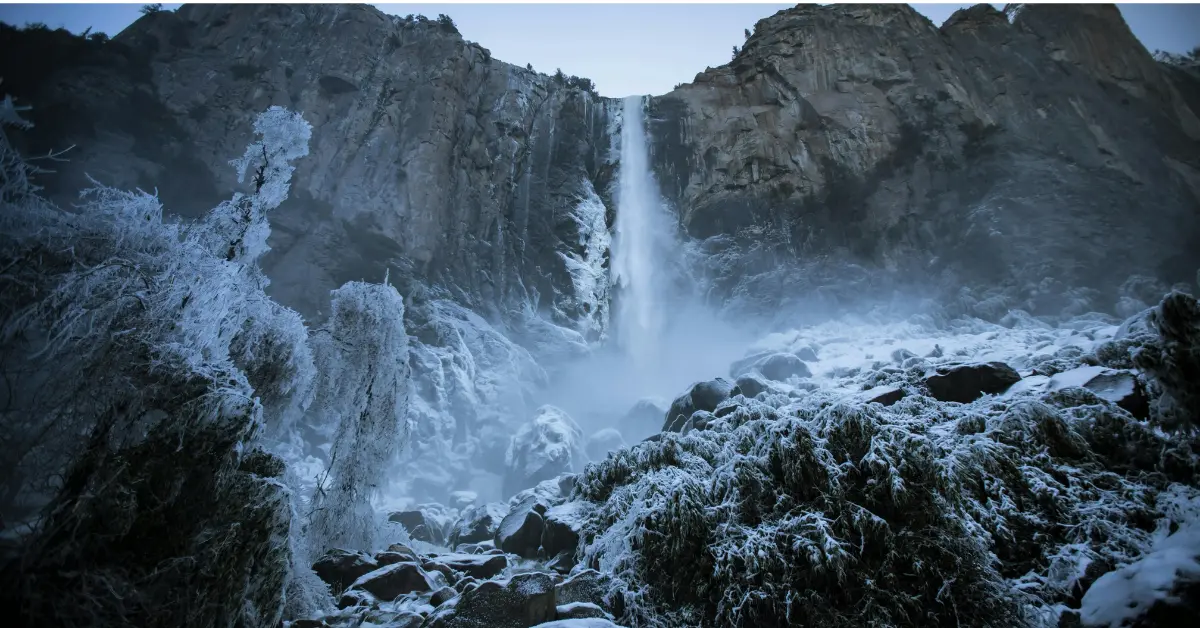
[{"x": 871, "y": 133}]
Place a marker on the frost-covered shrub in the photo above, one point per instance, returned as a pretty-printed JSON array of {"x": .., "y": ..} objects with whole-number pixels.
[
  {"x": 363, "y": 359},
  {"x": 135, "y": 351},
  {"x": 827, "y": 513},
  {"x": 1173, "y": 360}
]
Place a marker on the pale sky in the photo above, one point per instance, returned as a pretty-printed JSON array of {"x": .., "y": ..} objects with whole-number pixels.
[{"x": 624, "y": 48}]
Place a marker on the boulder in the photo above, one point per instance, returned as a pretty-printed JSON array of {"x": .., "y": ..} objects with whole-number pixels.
[
  {"x": 339, "y": 568},
  {"x": 421, "y": 525},
  {"x": 396, "y": 553},
  {"x": 808, "y": 354},
  {"x": 580, "y": 610},
  {"x": 483, "y": 547},
  {"x": 390, "y": 582},
  {"x": 780, "y": 366},
  {"x": 406, "y": 619},
  {"x": 481, "y": 566},
  {"x": 520, "y": 532},
  {"x": 747, "y": 364},
  {"x": 562, "y": 526},
  {"x": 549, "y": 445},
  {"x": 1118, "y": 386},
  {"x": 700, "y": 420},
  {"x": 592, "y": 587},
  {"x": 356, "y": 597},
  {"x": 589, "y": 622},
  {"x": 965, "y": 383},
  {"x": 523, "y": 601},
  {"x": 884, "y": 395},
  {"x": 441, "y": 596},
  {"x": 478, "y": 524},
  {"x": 749, "y": 387},
  {"x": 701, "y": 396},
  {"x": 602, "y": 442},
  {"x": 642, "y": 420}
]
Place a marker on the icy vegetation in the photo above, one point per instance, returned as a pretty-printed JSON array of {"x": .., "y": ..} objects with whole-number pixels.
[
  {"x": 149, "y": 381},
  {"x": 806, "y": 506}
]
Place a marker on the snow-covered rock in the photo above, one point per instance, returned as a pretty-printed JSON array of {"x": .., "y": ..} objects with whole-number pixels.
[
  {"x": 749, "y": 386},
  {"x": 1144, "y": 592},
  {"x": 782, "y": 366},
  {"x": 643, "y": 419},
  {"x": 579, "y": 610},
  {"x": 701, "y": 396},
  {"x": 390, "y": 582},
  {"x": 520, "y": 531},
  {"x": 602, "y": 442},
  {"x": 478, "y": 524},
  {"x": 340, "y": 568},
  {"x": 522, "y": 601},
  {"x": 549, "y": 445},
  {"x": 428, "y": 522},
  {"x": 481, "y": 566}
]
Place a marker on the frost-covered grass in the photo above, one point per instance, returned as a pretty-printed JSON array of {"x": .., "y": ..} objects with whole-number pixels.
[{"x": 810, "y": 508}]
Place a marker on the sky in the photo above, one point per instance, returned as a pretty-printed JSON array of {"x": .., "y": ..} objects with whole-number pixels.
[{"x": 624, "y": 48}]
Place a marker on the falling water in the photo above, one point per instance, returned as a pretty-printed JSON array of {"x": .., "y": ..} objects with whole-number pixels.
[{"x": 639, "y": 246}]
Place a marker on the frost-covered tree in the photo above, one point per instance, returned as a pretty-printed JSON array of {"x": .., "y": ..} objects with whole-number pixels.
[
  {"x": 362, "y": 354},
  {"x": 138, "y": 361}
]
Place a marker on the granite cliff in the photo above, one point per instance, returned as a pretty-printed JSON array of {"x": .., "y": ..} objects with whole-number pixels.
[
  {"x": 1036, "y": 160},
  {"x": 1018, "y": 156},
  {"x": 428, "y": 154}
]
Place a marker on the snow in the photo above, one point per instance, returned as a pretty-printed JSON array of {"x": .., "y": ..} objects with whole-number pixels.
[
  {"x": 589, "y": 277},
  {"x": 1123, "y": 595},
  {"x": 1075, "y": 377},
  {"x": 590, "y": 622}
]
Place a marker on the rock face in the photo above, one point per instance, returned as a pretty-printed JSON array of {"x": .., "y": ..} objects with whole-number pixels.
[
  {"x": 1053, "y": 146},
  {"x": 428, "y": 156},
  {"x": 1018, "y": 152}
]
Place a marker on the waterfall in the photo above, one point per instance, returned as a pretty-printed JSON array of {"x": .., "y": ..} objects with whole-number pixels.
[{"x": 640, "y": 248}]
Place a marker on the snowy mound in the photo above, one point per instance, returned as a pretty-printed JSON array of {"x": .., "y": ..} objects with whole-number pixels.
[{"x": 546, "y": 447}]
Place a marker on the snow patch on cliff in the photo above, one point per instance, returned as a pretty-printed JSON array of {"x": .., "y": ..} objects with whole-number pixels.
[{"x": 589, "y": 277}]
